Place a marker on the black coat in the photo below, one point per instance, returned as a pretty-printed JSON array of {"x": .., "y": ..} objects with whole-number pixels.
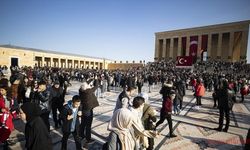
[
  {"x": 225, "y": 100},
  {"x": 37, "y": 135},
  {"x": 88, "y": 98},
  {"x": 181, "y": 88},
  {"x": 42, "y": 99}
]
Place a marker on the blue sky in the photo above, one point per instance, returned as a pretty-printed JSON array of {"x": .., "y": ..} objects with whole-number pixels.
[{"x": 113, "y": 29}]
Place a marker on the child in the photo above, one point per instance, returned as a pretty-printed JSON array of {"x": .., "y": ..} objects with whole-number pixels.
[
  {"x": 70, "y": 116},
  {"x": 176, "y": 103},
  {"x": 6, "y": 114}
]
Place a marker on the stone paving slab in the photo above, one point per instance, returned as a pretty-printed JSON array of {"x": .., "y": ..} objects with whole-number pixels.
[{"x": 192, "y": 126}]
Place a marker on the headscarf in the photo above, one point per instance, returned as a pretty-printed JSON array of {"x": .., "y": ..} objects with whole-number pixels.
[
  {"x": 31, "y": 110},
  {"x": 121, "y": 123}
]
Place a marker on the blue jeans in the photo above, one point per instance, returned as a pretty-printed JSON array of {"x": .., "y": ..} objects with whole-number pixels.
[{"x": 176, "y": 108}]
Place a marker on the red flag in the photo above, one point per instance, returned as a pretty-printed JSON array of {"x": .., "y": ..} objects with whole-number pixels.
[
  {"x": 183, "y": 61},
  {"x": 193, "y": 46}
]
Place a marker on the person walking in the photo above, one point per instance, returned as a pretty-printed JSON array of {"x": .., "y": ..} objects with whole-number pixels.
[{"x": 166, "y": 112}]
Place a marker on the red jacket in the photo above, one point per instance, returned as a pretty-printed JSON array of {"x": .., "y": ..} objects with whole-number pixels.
[
  {"x": 10, "y": 114},
  {"x": 193, "y": 82},
  {"x": 200, "y": 90},
  {"x": 5, "y": 121},
  {"x": 244, "y": 90}
]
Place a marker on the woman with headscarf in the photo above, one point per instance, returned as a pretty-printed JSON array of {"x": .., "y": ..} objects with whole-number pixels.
[
  {"x": 36, "y": 133},
  {"x": 124, "y": 130}
]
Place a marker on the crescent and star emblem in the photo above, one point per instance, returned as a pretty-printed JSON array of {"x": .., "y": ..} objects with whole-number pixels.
[{"x": 182, "y": 61}]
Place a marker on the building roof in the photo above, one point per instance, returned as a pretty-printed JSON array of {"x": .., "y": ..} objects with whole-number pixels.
[
  {"x": 204, "y": 27},
  {"x": 47, "y": 51}
]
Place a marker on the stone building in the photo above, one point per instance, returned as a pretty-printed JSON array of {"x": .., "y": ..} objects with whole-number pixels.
[
  {"x": 226, "y": 42},
  {"x": 21, "y": 56},
  {"x": 125, "y": 66}
]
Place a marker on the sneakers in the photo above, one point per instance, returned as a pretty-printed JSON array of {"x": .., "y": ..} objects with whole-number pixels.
[
  {"x": 196, "y": 107},
  {"x": 90, "y": 141}
]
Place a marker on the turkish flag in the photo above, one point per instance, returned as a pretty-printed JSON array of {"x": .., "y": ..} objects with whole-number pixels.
[
  {"x": 184, "y": 61},
  {"x": 193, "y": 46}
]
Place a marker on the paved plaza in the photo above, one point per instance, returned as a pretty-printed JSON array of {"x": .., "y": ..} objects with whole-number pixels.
[{"x": 194, "y": 128}]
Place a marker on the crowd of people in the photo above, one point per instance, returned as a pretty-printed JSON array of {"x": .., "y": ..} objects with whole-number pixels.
[{"x": 33, "y": 93}]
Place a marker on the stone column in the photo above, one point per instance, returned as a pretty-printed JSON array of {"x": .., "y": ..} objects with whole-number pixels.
[
  {"x": 209, "y": 42},
  {"x": 219, "y": 50},
  {"x": 164, "y": 49},
  {"x": 78, "y": 64},
  {"x": 50, "y": 62},
  {"x": 187, "y": 45},
  {"x": 84, "y": 64},
  {"x": 171, "y": 47},
  {"x": 156, "y": 49},
  {"x": 231, "y": 42},
  {"x": 199, "y": 47},
  {"x": 66, "y": 63},
  {"x": 179, "y": 46},
  {"x": 59, "y": 62},
  {"x": 95, "y": 65},
  {"x": 43, "y": 61},
  {"x": 73, "y": 63},
  {"x": 243, "y": 50}
]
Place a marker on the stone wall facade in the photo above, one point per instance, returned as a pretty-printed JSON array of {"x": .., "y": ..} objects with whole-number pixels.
[
  {"x": 20, "y": 56},
  {"x": 226, "y": 42}
]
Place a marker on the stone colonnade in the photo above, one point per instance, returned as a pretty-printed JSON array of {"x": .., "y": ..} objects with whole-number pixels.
[
  {"x": 226, "y": 42},
  {"x": 42, "y": 61}
]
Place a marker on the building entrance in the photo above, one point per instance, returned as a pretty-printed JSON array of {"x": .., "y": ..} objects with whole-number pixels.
[{"x": 14, "y": 62}]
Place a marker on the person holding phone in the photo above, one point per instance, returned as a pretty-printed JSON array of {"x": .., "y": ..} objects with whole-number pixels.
[{"x": 71, "y": 115}]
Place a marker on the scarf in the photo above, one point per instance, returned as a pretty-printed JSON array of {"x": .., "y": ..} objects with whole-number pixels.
[{"x": 121, "y": 123}]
